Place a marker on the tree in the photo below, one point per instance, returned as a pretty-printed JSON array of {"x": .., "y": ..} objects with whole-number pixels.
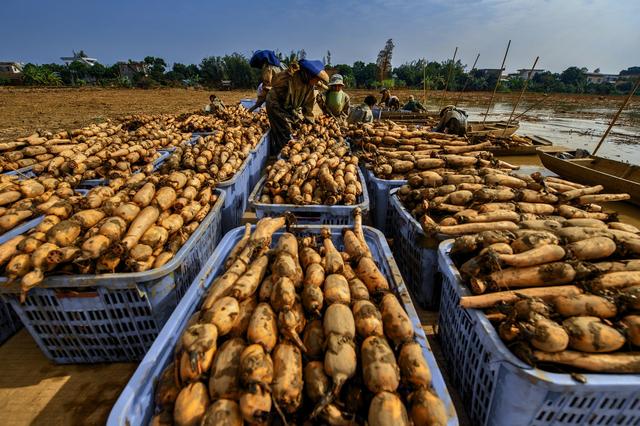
[
  {"x": 384, "y": 59},
  {"x": 212, "y": 70},
  {"x": 156, "y": 67},
  {"x": 631, "y": 71},
  {"x": 574, "y": 77},
  {"x": 365, "y": 75},
  {"x": 238, "y": 70},
  {"x": 328, "y": 58},
  {"x": 35, "y": 75}
]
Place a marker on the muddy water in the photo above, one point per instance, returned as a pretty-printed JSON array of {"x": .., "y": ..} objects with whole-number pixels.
[{"x": 577, "y": 127}]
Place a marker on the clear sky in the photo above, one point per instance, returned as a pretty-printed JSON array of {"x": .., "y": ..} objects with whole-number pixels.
[{"x": 601, "y": 34}]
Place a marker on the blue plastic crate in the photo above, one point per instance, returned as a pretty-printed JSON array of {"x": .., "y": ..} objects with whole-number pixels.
[
  {"x": 23, "y": 173},
  {"x": 417, "y": 255},
  {"x": 20, "y": 229},
  {"x": 381, "y": 211},
  {"x": 236, "y": 190},
  {"x": 135, "y": 406},
  {"x": 311, "y": 214},
  {"x": 112, "y": 317},
  {"x": 259, "y": 158},
  {"x": 499, "y": 389},
  {"x": 24, "y": 227},
  {"x": 9, "y": 322}
]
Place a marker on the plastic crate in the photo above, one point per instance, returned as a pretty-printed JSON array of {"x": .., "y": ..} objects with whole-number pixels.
[
  {"x": 23, "y": 173},
  {"x": 499, "y": 389},
  {"x": 236, "y": 190},
  {"x": 25, "y": 226},
  {"x": 259, "y": 158},
  {"x": 311, "y": 214},
  {"x": 417, "y": 255},
  {"x": 20, "y": 229},
  {"x": 112, "y": 317},
  {"x": 135, "y": 406},
  {"x": 381, "y": 211},
  {"x": 9, "y": 322}
]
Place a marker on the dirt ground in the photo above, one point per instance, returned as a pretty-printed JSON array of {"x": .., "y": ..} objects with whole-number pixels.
[{"x": 25, "y": 110}]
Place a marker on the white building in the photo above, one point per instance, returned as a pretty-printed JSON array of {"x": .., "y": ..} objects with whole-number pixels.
[
  {"x": 597, "y": 78},
  {"x": 524, "y": 73},
  {"x": 79, "y": 57},
  {"x": 11, "y": 70}
]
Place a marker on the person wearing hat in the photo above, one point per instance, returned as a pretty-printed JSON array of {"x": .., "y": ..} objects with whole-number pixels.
[
  {"x": 362, "y": 113},
  {"x": 452, "y": 121},
  {"x": 413, "y": 105},
  {"x": 292, "y": 98},
  {"x": 268, "y": 62},
  {"x": 215, "y": 104},
  {"x": 391, "y": 102},
  {"x": 335, "y": 101}
]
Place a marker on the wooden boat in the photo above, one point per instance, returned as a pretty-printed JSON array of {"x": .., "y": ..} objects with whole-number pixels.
[
  {"x": 499, "y": 128},
  {"x": 615, "y": 176},
  {"x": 537, "y": 142}
]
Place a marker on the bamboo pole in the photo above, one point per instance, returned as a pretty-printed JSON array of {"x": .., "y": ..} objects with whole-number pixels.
[
  {"x": 466, "y": 83},
  {"x": 453, "y": 61},
  {"x": 424, "y": 82},
  {"x": 615, "y": 117},
  {"x": 524, "y": 89},
  {"x": 495, "y": 89},
  {"x": 537, "y": 104}
]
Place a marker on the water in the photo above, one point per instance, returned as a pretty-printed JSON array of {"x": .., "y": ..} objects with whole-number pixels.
[{"x": 567, "y": 129}]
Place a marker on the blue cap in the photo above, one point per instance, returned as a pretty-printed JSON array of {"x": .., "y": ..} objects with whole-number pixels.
[
  {"x": 315, "y": 68},
  {"x": 260, "y": 57}
]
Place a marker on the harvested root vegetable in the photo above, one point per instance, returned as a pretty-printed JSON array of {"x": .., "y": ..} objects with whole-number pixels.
[
  {"x": 255, "y": 405},
  {"x": 631, "y": 327},
  {"x": 427, "y": 409},
  {"x": 263, "y": 328},
  {"x": 584, "y": 305},
  {"x": 413, "y": 367},
  {"x": 597, "y": 363},
  {"x": 222, "y": 314},
  {"x": 224, "y": 379},
  {"x": 223, "y": 412},
  {"x": 287, "y": 383},
  {"x": 368, "y": 272},
  {"x": 191, "y": 405},
  {"x": 397, "y": 325},
  {"x": 379, "y": 367},
  {"x": 590, "y": 334},
  {"x": 386, "y": 409},
  {"x": 368, "y": 319}
]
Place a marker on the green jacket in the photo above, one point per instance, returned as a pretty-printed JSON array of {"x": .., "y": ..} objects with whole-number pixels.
[
  {"x": 336, "y": 104},
  {"x": 414, "y": 106}
]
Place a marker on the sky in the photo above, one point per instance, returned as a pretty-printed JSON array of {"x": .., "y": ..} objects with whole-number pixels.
[{"x": 601, "y": 34}]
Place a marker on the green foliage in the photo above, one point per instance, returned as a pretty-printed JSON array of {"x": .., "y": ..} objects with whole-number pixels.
[
  {"x": 34, "y": 75},
  {"x": 238, "y": 70},
  {"x": 365, "y": 75}
]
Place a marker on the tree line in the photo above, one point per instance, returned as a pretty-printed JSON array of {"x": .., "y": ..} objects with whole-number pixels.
[{"x": 213, "y": 70}]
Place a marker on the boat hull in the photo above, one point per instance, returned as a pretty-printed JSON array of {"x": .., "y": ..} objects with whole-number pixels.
[{"x": 586, "y": 171}]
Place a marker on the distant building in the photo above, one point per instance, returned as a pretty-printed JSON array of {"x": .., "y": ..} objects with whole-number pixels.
[
  {"x": 79, "y": 57},
  {"x": 598, "y": 78},
  {"x": 11, "y": 70},
  {"x": 129, "y": 69},
  {"x": 485, "y": 72},
  {"x": 524, "y": 73}
]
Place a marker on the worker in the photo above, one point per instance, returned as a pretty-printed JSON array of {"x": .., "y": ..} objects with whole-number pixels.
[
  {"x": 268, "y": 62},
  {"x": 391, "y": 102},
  {"x": 215, "y": 104},
  {"x": 413, "y": 105},
  {"x": 362, "y": 113},
  {"x": 452, "y": 121},
  {"x": 335, "y": 101},
  {"x": 291, "y": 99}
]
